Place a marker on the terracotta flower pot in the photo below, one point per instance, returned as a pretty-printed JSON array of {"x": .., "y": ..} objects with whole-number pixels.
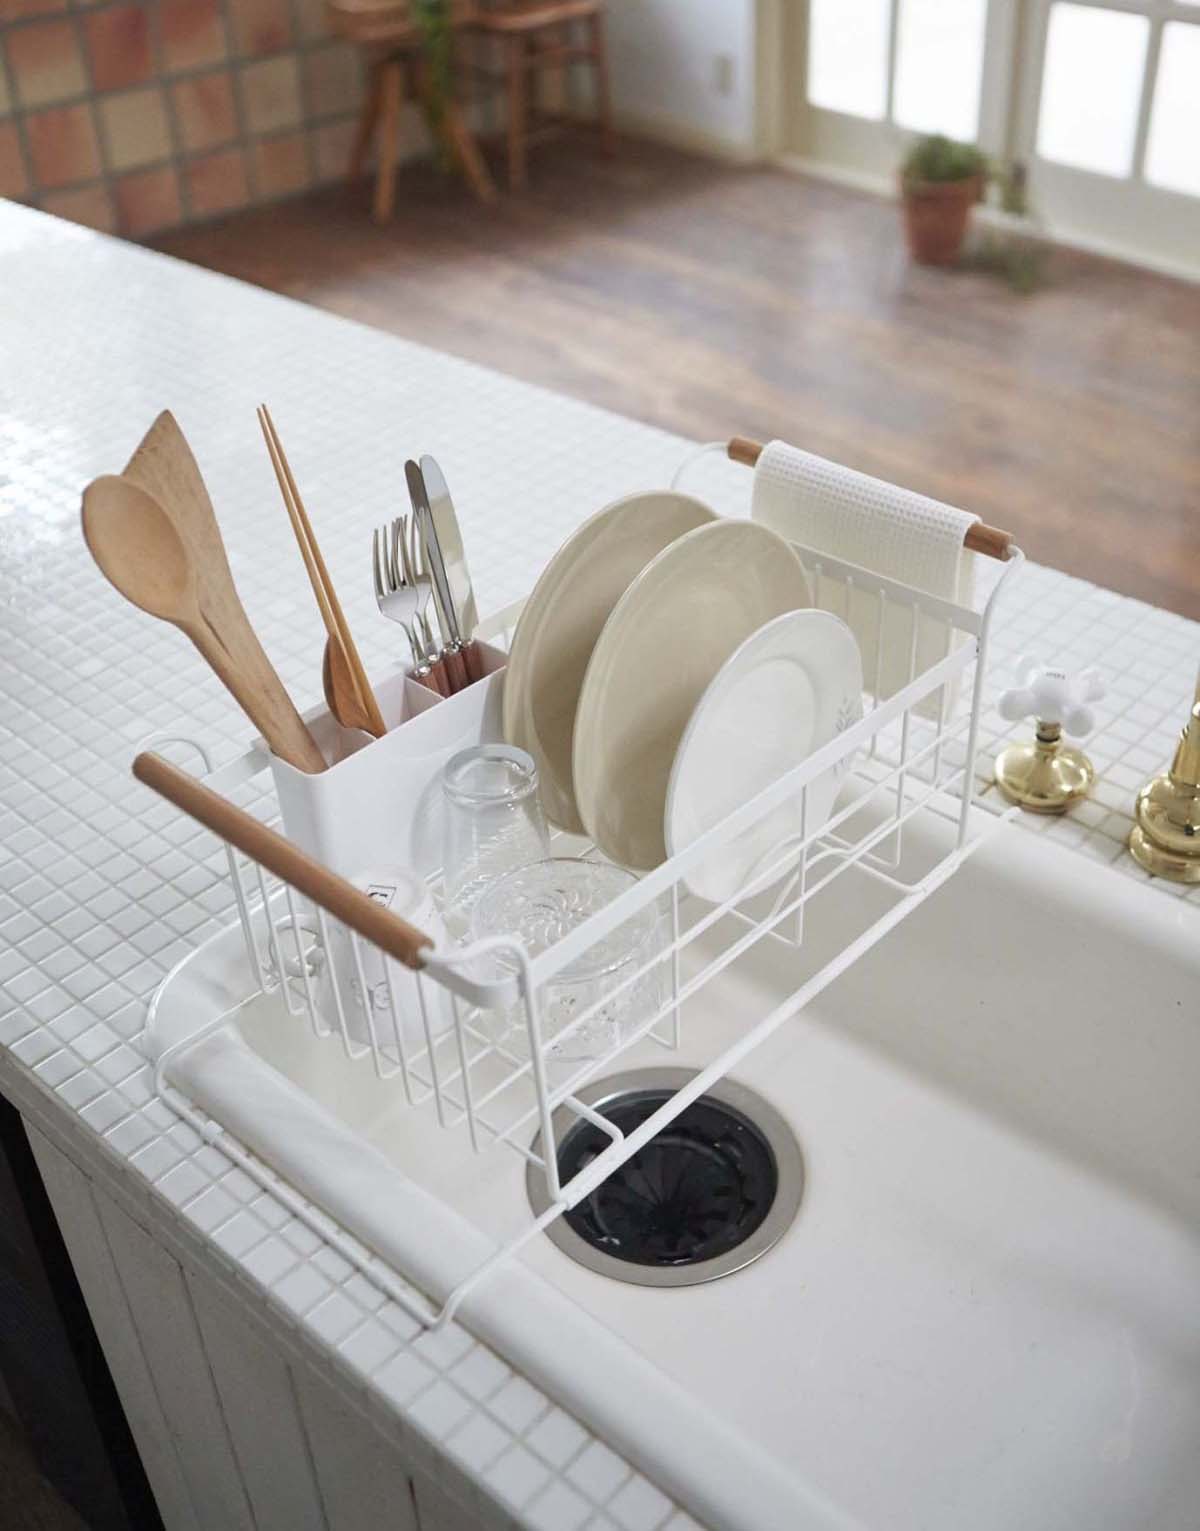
[{"x": 936, "y": 215}]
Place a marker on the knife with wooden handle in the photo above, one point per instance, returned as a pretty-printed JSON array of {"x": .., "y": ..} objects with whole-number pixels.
[
  {"x": 452, "y": 655},
  {"x": 454, "y": 561}
]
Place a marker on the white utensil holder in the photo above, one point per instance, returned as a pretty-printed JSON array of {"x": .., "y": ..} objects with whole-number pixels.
[{"x": 380, "y": 804}]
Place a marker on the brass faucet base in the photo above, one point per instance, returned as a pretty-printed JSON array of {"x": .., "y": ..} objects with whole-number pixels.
[
  {"x": 1045, "y": 776},
  {"x": 1161, "y": 863},
  {"x": 1165, "y": 838}
]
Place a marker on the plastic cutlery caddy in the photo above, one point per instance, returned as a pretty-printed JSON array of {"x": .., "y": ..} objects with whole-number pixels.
[
  {"x": 910, "y": 756},
  {"x": 380, "y": 804}
]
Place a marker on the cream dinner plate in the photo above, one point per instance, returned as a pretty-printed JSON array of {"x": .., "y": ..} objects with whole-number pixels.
[
  {"x": 791, "y": 688},
  {"x": 668, "y": 635},
  {"x": 563, "y": 618}
]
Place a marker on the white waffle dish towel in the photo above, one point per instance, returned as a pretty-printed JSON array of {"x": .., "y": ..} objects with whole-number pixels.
[{"x": 823, "y": 506}]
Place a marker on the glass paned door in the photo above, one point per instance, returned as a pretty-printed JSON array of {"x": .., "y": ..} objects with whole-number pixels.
[
  {"x": 877, "y": 71},
  {"x": 939, "y": 66},
  {"x": 1173, "y": 141},
  {"x": 1108, "y": 117},
  {"x": 1100, "y": 99}
]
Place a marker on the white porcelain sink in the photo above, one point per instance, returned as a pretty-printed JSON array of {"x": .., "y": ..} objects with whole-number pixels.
[{"x": 986, "y": 1313}]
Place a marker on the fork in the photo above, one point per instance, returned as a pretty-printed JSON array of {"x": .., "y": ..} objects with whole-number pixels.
[
  {"x": 402, "y": 597},
  {"x": 410, "y": 554}
]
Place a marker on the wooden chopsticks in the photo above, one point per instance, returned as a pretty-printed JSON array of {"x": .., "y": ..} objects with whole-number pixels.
[
  {"x": 980, "y": 538},
  {"x": 331, "y": 608}
]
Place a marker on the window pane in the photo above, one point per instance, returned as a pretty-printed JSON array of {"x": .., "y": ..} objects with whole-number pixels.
[
  {"x": 1173, "y": 148},
  {"x": 1091, "y": 88},
  {"x": 939, "y": 63},
  {"x": 847, "y": 56}
]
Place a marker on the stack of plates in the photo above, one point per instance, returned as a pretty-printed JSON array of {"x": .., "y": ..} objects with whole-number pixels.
[
  {"x": 667, "y": 667},
  {"x": 563, "y": 618}
]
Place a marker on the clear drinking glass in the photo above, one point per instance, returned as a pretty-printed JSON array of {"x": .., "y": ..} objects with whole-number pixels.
[
  {"x": 539, "y": 904},
  {"x": 493, "y": 823}
]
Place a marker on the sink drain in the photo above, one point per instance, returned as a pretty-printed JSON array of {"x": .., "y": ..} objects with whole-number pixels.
[{"x": 711, "y": 1192}]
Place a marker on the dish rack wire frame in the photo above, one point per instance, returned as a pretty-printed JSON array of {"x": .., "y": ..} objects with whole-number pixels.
[{"x": 283, "y": 949}]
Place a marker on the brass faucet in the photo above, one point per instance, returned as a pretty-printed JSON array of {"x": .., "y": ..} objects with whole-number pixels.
[{"x": 1165, "y": 838}]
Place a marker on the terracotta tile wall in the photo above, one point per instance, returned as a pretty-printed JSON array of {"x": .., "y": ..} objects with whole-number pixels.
[{"x": 135, "y": 115}]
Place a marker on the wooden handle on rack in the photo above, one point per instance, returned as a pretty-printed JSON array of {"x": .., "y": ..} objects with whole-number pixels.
[
  {"x": 334, "y": 894},
  {"x": 742, "y": 449},
  {"x": 981, "y": 538}
]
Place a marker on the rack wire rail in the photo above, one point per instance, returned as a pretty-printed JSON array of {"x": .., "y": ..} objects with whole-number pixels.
[{"x": 911, "y": 754}]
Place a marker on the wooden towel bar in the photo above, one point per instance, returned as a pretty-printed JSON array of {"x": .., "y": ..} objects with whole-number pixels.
[{"x": 980, "y": 538}]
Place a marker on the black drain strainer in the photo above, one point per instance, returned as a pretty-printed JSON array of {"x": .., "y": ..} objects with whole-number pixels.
[
  {"x": 704, "y": 1197},
  {"x": 697, "y": 1190}
]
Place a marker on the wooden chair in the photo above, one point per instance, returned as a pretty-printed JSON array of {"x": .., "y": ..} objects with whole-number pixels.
[
  {"x": 397, "y": 67},
  {"x": 537, "y": 35}
]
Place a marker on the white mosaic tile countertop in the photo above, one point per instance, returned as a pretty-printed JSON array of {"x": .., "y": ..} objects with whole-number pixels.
[{"x": 103, "y": 887}]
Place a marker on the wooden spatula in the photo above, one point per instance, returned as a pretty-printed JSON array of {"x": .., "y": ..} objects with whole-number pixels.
[
  {"x": 154, "y": 561},
  {"x": 165, "y": 466}
]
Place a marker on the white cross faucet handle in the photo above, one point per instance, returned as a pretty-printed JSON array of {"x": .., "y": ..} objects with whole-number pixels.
[{"x": 1053, "y": 697}]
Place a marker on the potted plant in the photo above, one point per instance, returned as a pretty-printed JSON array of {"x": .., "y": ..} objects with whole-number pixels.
[
  {"x": 433, "y": 18},
  {"x": 939, "y": 181}
]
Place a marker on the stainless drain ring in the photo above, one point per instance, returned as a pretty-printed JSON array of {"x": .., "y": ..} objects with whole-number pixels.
[{"x": 789, "y": 1165}]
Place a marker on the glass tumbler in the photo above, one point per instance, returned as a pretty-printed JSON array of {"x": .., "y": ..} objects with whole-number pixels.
[
  {"x": 493, "y": 823},
  {"x": 603, "y": 993}
]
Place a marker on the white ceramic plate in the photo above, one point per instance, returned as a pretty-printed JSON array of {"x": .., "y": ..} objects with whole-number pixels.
[
  {"x": 791, "y": 688},
  {"x": 563, "y": 618},
  {"x": 668, "y": 635}
]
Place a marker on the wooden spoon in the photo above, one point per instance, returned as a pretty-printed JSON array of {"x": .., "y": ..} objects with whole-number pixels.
[
  {"x": 154, "y": 564},
  {"x": 341, "y": 692}
]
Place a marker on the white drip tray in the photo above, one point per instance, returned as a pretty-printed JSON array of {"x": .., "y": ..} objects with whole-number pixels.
[{"x": 984, "y": 1313}]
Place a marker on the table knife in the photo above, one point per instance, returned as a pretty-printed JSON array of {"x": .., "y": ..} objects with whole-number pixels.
[
  {"x": 452, "y": 649},
  {"x": 458, "y": 576}
]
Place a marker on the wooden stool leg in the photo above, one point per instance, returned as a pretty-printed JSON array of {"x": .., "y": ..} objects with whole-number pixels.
[
  {"x": 367, "y": 123},
  {"x": 391, "y": 78},
  {"x": 494, "y": 56},
  {"x": 462, "y": 141},
  {"x": 540, "y": 96},
  {"x": 608, "y": 137},
  {"x": 516, "y": 113},
  {"x": 450, "y": 128},
  {"x": 570, "y": 88}
]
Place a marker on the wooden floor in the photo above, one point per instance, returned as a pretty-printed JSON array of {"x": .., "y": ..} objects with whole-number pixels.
[{"x": 714, "y": 300}]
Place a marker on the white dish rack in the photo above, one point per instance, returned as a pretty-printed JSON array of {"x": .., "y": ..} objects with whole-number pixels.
[{"x": 911, "y": 754}]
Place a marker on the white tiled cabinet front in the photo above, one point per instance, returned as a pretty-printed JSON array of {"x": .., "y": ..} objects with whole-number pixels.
[{"x": 233, "y": 1436}]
